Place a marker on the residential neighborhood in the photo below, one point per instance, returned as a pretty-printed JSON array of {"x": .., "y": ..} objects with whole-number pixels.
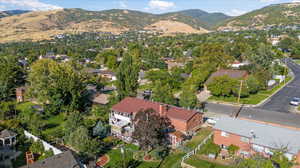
[{"x": 149, "y": 84}]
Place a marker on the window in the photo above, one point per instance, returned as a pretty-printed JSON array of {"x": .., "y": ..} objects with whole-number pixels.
[
  {"x": 224, "y": 134},
  {"x": 244, "y": 139}
]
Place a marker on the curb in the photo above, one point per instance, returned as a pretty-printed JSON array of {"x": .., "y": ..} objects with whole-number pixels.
[{"x": 260, "y": 103}]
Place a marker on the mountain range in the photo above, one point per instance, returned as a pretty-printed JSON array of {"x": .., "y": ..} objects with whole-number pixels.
[{"x": 39, "y": 25}]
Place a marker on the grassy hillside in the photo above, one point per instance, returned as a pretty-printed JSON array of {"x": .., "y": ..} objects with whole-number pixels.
[
  {"x": 45, "y": 24},
  {"x": 279, "y": 14}
]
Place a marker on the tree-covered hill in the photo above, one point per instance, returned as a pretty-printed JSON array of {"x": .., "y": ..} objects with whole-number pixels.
[
  {"x": 273, "y": 15},
  {"x": 12, "y": 12}
]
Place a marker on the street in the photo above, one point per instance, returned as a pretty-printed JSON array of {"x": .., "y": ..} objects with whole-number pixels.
[
  {"x": 280, "y": 101},
  {"x": 276, "y": 110}
]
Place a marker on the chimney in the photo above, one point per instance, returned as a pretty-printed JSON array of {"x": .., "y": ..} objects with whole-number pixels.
[
  {"x": 298, "y": 157},
  {"x": 162, "y": 110}
]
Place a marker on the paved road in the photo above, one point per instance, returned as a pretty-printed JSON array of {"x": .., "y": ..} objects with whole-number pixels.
[
  {"x": 275, "y": 110},
  {"x": 288, "y": 119},
  {"x": 280, "y": 101}
]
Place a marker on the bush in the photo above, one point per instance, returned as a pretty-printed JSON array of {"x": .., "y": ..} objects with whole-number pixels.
[
  {"x": 37, "y": 147},
  {"x": 159, "y": 153},
  {"x": 210, "y": 148},
  {"x": 232, "y": 149}
]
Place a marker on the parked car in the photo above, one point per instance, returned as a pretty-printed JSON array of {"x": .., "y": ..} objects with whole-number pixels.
[{"x": 295, "y": 101}]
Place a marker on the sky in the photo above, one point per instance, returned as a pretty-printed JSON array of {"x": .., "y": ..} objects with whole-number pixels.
[{"x": 230, "y": 7}]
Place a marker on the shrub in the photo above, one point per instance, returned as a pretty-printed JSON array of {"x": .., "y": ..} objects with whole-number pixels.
[
  {"x": 210, "y": 148},
  {"x": 232, "y": 149}
]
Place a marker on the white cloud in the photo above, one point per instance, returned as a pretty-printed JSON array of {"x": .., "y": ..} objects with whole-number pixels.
[
  {"x": 267, "y": 1},
  {"x": 160, "y": 5},
  {"x": 236, "y": 12},
  {"x": 123, "y": 4},
  {"x": 29, "y": 4},
  {"x": 295, "y": 1}
]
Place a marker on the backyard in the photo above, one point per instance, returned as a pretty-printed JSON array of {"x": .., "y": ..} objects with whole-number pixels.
[{"x": 171, "y": 161}]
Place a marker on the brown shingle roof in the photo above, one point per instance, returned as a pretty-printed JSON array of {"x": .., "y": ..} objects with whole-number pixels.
[
  {"x": 133, "y": 105},
  {"x": 63, "y": 160},
  {"x": 235, "y": 74}
]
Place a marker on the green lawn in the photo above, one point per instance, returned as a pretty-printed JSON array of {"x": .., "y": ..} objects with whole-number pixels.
[
  {"x": 194, "y": 161},
  {"x": 252, "y": 99},
  {"x": 116, "y": 157},
  {"x": 297, "y": 61},
  {"x": 171, "y": 161},
  {"x": 197, "y": 139},
  {"x": 53, "y": 124}
]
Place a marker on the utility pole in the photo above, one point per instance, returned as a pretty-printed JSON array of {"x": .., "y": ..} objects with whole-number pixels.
[
  {"x": 240, "y": 91},
  {"x": 285, "y": 71}
]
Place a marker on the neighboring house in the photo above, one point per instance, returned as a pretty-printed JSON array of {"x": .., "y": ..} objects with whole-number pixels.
[
  {"x": 237, "y": 64},
  {"x": 274, "y": 41},
  {"x": 235, "y": 74},
  {"x": 185, "y": 122},
  {"x": 48, "y": 55},
  {"x": 63, "y": 160},
  {"x": 254, "y": 137},
  {"x": 173, "y": 63},
  {"x": 101, "y": 98},
  {"x": 103, "y": 73},
  {"x": 142, "y": 78}
]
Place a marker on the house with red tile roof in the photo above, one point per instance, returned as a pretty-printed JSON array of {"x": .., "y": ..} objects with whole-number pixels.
[{"x": 185, "y": 122}]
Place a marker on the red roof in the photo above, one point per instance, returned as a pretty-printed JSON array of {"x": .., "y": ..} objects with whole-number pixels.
[{"x": 133, "y": 105}]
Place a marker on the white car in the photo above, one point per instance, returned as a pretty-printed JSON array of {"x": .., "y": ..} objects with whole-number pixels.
[{"x": 295, "y": 101}]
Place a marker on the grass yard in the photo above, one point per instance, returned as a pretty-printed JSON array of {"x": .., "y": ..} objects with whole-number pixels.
[
  {"x": 53, "y": 124},
  {"x": 197, "y": 139},
  {"x": 252, "y": 99},
  {"x": 194, "y": 161},
  {"x": 297, "y": 61},
  {"x": 171, "y": 161},
  {"x": 115, "y": 156}
]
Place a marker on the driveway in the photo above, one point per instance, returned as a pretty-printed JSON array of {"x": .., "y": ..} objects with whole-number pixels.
[{"x": 280, "y": 101}]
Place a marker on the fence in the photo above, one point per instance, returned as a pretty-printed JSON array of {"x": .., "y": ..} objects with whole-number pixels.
[
  {"x": 46, "y": 145},
  {"x": 194, "y": 151}
]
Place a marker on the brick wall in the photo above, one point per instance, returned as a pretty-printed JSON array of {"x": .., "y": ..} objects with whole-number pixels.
[
  {"x": 298, "y": 158},
  {"x": 231, "y": 139},
  {"x": 187, "y": 126},
  {"x": 195, "y": 122}
]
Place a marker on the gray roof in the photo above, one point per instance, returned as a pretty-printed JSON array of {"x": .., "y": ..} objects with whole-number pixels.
[
  {"x": 63, "y": 160},
  {"x": 7, "y": 133},
  {"x": 270, "y": 136}
]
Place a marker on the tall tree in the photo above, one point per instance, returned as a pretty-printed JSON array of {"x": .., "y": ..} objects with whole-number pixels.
[
  {"x": 10, "y": 74},
  {"x": 162, "y": 92},
  {"x": 188, "y": 98},
  {"x": 127, "y": 75},
  {"x": 150, "y": 129},
  {"x": 58, "y": 84}
]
